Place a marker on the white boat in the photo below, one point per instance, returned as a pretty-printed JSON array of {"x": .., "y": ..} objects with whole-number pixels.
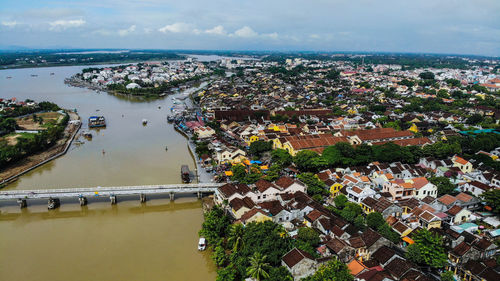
[{"x": 202, "y": 244}]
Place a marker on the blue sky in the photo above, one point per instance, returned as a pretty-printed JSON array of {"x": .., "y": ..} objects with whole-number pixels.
[{"x": 430, "y": 26}]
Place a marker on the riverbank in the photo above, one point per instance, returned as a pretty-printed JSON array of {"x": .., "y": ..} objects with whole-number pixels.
[
  {"x": 31, "y": 162},
  {"x": 201, "y": 175}
]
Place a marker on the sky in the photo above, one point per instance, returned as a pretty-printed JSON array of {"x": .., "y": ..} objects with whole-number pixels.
[{"x": 417, "y": 26}]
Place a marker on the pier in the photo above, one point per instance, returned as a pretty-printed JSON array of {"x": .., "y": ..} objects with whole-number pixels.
[{"x": 81, "y": 194}]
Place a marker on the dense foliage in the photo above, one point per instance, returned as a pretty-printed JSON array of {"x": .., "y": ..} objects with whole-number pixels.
[
  {"x": 254, "y": 250},
  {"x": 492, "y": 199},
  {"x": 428, "y": 249},
  {"x": 334, "y": 270},
  {"x": 28, "y": 144}
]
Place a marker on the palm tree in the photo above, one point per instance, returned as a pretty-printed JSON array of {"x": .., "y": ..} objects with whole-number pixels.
[
  {"x": 258, "y": 266},
  {"x": 236, "y": 236}
]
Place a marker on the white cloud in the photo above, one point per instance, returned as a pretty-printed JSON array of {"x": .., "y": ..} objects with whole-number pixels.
[
  {"x": 9, "y": 23},
  {"x": 273, "y": 35},
  {"x": 217, "y": 30},
  {"x": 65, "y": 24},
  {"x": 246, "y": 32},
  {"x": 178, "y": 27},
  {"x": 125, "y": 32}
]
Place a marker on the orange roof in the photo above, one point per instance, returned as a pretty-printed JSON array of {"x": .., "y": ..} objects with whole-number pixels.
[
  {"x": 365, "y": 179},
  {"x": 406, "y": 185},
  {"x": 408, "y": 240},
  {"x": 355, "y": 267},
  {"x": 460, "y": 160}
]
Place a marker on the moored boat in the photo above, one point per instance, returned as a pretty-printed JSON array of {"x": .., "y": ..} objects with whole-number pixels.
[
  {"x": 185, "y": 174},
  {"x": 97, "y": 121}
]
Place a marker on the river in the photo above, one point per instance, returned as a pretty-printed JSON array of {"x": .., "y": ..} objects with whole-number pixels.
[{"x": 128, "y": 241}]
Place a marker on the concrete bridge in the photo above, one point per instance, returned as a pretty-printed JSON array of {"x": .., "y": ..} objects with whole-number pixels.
[{"x": 53, "y": 195}]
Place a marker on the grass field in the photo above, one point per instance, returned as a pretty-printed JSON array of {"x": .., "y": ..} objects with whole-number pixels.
[{"x": 42, "y": 120}]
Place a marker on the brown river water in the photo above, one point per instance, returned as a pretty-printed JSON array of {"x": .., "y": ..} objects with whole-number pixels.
[{"x": 128, "y": 241}]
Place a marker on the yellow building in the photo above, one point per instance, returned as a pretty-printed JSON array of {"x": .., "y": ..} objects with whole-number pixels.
[{"x": 413, "y": 128}]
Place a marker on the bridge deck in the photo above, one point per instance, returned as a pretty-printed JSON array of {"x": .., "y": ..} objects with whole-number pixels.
[{"x": 108, "y": 191}]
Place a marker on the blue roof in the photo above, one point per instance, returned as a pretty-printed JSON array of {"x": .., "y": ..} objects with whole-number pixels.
[
  {"x": 467, "y": 225},
  {"x": 495, "y": 232},
  {"x": 479, "y": 131}
]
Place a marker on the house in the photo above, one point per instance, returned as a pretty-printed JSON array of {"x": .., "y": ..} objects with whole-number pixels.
[
  {"x": 458, "y": 215},
  {"x": 299, "y": 263},
  {"x": 255, "y": 215},
  {"x": 240, "y": 206},
  {"x": 399, "y": 189},
  {"x": 341, "y": 250},
  {"x": 475, "y": 187},
  {"x": 424, "y": 188},
  {"x": 464, "y": 165},
  {"x": 204, "y": 132},
  {"x": 230, "y": 155}
]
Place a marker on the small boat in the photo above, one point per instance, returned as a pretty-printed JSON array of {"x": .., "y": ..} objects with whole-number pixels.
[
  {"x": 166, "y": 147},
  {"x": 144, "y": 121},
  {"x": 170, "y": 119},
  {"x": 87, "y": 134},
  {"x": 202, "y": 244},
  {"x": 52, "y": 73},
  {"x": 9, "y": 77},
  {"x": 34, "y": 75}
]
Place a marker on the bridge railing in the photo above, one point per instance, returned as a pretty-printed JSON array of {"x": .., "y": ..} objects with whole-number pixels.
[{"x": 67, "y": 192}]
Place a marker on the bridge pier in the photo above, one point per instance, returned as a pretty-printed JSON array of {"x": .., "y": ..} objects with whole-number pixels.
[
  {"x": 113, "y": 199},
  {"x": 82, "y": 200},
  {"x": 142, "y": 198},
  {"x": 53, "y": 203},
  {"x": 22, "y": 203},
  {"x": 199, "y": 194},
  {"x": 172, "y": 196}
]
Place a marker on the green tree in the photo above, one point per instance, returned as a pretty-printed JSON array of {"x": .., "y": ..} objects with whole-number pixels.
[
  {"x": 351, "y": 211},
  {"x": 279, "y": 274},
  {"x": 308, "y": 235},
  {"x": 239, "y": 172},
  {"x": 475, "y": 119},
  {"x": 428, "y": 249},
  {"x": 375, "y": 220},
  {"x": 219, "y": 256},
  {"x": 443, "y": 184},
  {"x": 492, "y": 199},
  {"x": 427, "y": 75},
  {"x": 281, "y": 157},
  {"x": 307, "y": 160},
  {"x": 258, "y": 147},
  {"x": 334, "y": 270},
  {"x": 258, "y": 267},
  {"x": 214, "y": 226},
  {"x": 228, "y": 273},
  {"x": 447, "y": 276},
  {"x": 340, "y": 201},
  {"x": 359, "y": 222},
  {"x": 235, "y": 238},
  {"x": 313, "y": 183}
]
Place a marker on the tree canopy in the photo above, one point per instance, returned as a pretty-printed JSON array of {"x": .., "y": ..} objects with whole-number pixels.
[{"x": 428, "y": 249}]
